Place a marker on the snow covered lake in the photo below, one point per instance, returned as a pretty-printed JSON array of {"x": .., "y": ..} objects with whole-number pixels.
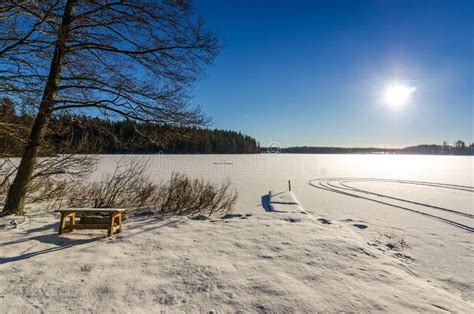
[{"x": 254, "y": 175}]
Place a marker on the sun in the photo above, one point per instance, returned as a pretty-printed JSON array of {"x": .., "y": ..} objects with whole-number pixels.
[{"x": 397, "y": 95}]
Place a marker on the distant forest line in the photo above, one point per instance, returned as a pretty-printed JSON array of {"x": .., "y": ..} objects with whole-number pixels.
[
  {"x": 81, "y": 134},
  {"x": 459, "y": 148}
]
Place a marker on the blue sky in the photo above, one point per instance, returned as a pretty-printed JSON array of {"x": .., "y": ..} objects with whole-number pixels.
[{"x": 314, "y": 72}]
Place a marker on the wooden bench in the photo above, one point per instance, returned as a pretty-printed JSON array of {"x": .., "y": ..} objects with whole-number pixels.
[{"x": 113, "y": 222}]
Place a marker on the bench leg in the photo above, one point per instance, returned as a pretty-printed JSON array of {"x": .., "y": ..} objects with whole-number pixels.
[
  {"x": 119, "y": 223},
  {"x": 72, "y": 220},
  {"x": 111, "y": 225},
  {"x": 62, "y": 223}
]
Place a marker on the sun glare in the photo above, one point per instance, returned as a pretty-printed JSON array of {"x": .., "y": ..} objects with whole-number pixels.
[{"x": 397, "y": 95}]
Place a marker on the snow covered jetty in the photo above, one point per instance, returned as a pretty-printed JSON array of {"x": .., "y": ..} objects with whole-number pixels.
[{"x": 284, "y": 201}]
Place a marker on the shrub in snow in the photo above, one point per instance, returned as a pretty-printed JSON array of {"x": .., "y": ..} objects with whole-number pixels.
[
  {"x": 129, "y": 186},
  {"x": 185, "y": 196}
]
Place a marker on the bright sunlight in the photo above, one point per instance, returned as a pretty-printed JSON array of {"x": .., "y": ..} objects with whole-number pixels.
[{"x": 397, "y": 94}]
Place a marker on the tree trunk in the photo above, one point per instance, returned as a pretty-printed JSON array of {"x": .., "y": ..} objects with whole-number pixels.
[{"x": 16, "y": 194}]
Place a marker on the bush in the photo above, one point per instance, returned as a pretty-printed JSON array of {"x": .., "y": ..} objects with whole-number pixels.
[
  {"x": 184, "y": 196},
  {"x": 7, "y": 170},
  {"x": 129, "y": 186},
  {"x": 59, "y": 182},
  {"x": 53, "y": 180}
]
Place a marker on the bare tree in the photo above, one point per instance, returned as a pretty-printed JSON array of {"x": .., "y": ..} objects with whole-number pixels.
[
  {"x": 134, "y": 59},
  {"x": 12, "y": 36}
]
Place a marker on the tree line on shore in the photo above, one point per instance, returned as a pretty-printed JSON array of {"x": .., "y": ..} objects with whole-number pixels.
[
  {"x": 459, "y": 148},
  {"x": 93, "y": 135}
]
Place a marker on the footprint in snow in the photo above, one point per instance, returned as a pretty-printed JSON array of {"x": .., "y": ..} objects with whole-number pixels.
[
  {"x": 291, "y": 219},
  {"x": 360, "y": 226},
  {"x": 324, "y": 221},
  {"x": 241, "y": 216},
  {"x": 86, "y": 268}
]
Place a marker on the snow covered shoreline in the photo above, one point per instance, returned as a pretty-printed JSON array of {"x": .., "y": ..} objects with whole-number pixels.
[{"x": 345, "y": 254}]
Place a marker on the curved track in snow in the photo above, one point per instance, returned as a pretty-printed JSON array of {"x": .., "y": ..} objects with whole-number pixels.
[{"x": 460, "y": 219}]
